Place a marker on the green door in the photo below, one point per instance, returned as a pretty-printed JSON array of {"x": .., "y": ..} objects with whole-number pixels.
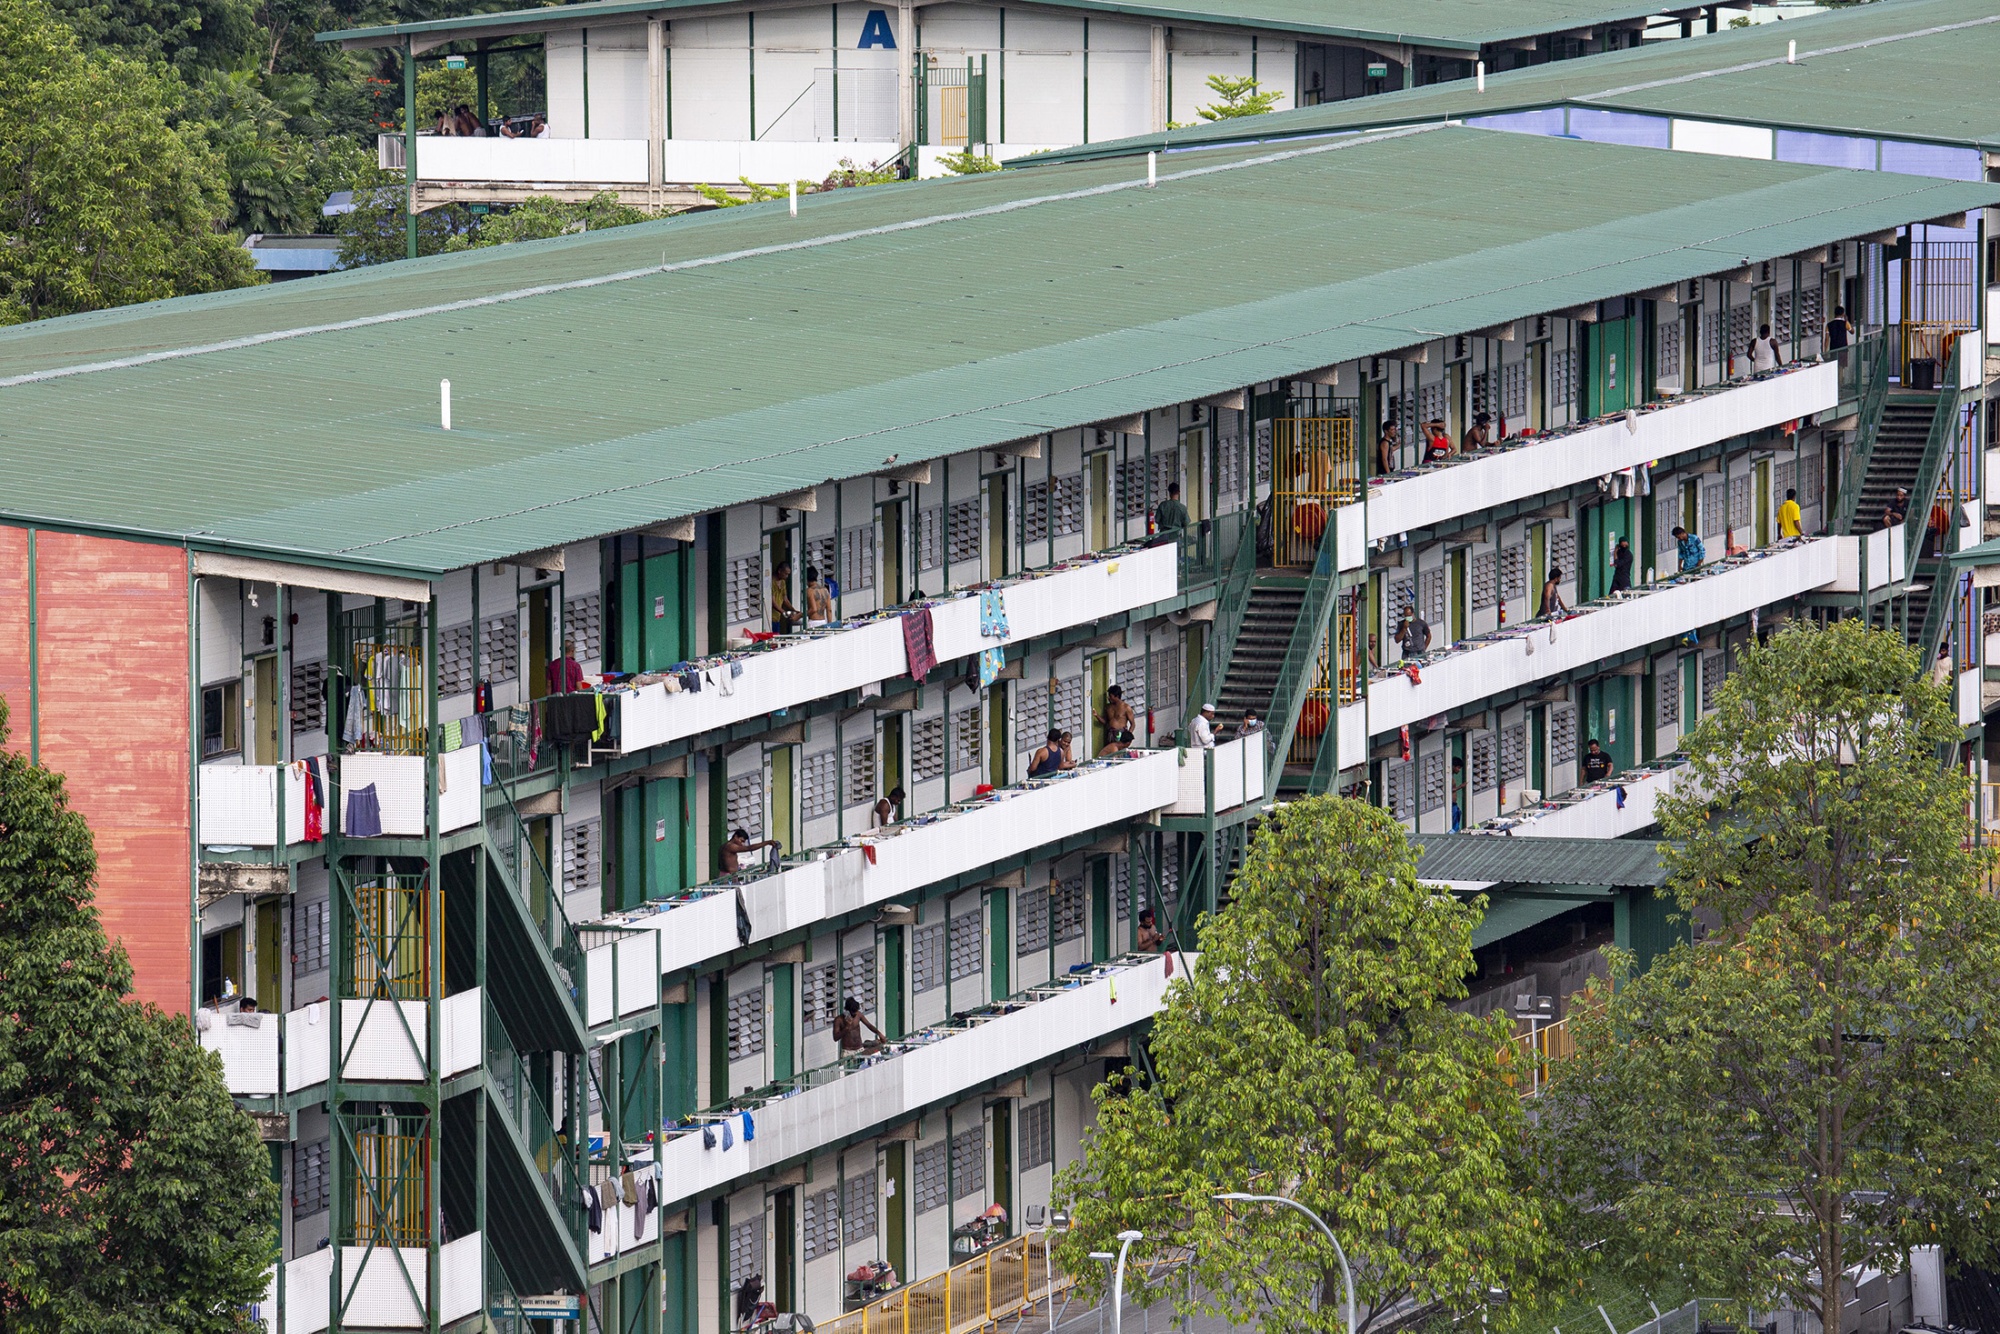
[
  {"x": 677, "y": 1060},
  {"x": 1000, "y": 945},
  {"x": 1459, "y": 599},
  {"x": 1538, "y": 750},
  {"x": 1001, "y": 1189},
  {"x": 1611, "y": 367},
  {"x": 784, "y": 1022},
  {"x": 784, "y": 1233},
  {"x": 1690, "y": 691},
  {"x": 895, "y": 1236},
  {"x": 1100, "y": 911},
  {"x": 652, "y": 835},
  {"x": 1538, "y": 566},
  {"x": 997, "y": 744},
  {"x": 893, "y": 981},
  {"x": 1593, "y": 574},
  {"x": 650, "y": 602}
]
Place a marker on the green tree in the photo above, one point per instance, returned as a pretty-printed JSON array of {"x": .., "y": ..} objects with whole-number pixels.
[
  {"x": 374, "y": 232},
  {"x": 541, "y": 217},
  {"x": 1815, "y": 1084},
  {"x": 102, "y": 201},
  {"x": 1312, "y": 1053},
  {"x": 134, "y": 1196},
  {"x": 965, "y": 162},
  {"x": 278, "y": 177},
  {"x": 188, "y": 35},
  {"x": 1237, "y": 97}
]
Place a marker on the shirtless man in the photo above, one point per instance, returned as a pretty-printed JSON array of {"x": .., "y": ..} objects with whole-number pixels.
[
  {"x": 847, "y": 1030},
  {"x": 738, "y": 844},
  {"x": 1150, "y": 938},
  {"x": 1117, "y": 720}
]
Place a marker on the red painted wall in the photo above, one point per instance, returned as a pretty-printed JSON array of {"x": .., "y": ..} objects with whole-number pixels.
[{"x": 111, "y": 656}]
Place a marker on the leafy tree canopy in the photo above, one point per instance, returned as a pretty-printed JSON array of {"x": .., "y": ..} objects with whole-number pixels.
[
  {"x": 1236, "y": 98},
  {"x": 1312, "y": 1053},
  {"x": 1816, "y": 1084},
  {"x": 134, "y": 1196},
  {"x": 102, "y": 200}
]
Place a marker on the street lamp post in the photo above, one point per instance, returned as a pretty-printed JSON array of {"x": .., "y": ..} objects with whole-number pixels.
[
  {"x": 1118, "y": 1280},
  {"x": 1346, "y": 1274}
]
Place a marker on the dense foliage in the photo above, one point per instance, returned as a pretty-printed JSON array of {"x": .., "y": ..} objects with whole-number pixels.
[
  {"x": 1815, "y": 1084},
  {"x": 134, "y": 1196},
  {"x": 1313, "y": 1053}
]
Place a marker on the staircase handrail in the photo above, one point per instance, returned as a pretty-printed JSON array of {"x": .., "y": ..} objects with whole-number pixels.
[
  {"x": 1930, "y": 470},
  {"x": 1872, "y": 351},
  {"x": 554, "y": 1161},
  {"x": 1302, "y": 656},
  {"x": 1232, "y": 599},
  {"x": 1326, "y": 767},
  {"x": 558, "y": 932}
]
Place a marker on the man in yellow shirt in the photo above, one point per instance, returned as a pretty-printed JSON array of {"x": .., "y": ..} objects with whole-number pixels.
[{"x": 1788, "y": 515}]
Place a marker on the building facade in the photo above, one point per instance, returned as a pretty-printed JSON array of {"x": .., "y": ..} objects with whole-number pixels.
[{"x": 438, "y": 755}]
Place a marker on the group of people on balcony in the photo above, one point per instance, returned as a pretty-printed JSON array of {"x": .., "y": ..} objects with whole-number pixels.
[{"x": 463, "y": 122}]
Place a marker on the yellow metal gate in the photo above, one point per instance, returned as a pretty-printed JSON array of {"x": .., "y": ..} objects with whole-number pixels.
[{"x": 1314, "y": 468}]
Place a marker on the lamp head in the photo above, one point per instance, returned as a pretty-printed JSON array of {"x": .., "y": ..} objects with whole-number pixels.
[
  {"x": 1236, "y": 1196},
  {"x": 1102, "y": 1255},
  {"x": 1129, "y": 1235}
]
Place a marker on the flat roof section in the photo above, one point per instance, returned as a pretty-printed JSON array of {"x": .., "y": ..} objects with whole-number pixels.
[
  {"x": 1446, "y": 25},
  {"x": 604, "y": 382},
  {"x": 1901, "y": 69},
  {"x": 1613, "y": 863}
]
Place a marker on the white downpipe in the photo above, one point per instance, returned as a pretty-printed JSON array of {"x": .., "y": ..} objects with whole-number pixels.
[{"x": 444, "y": 403}]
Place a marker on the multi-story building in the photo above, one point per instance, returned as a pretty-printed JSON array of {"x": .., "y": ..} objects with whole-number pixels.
[
  {"x": 650, "y": 98},
  {"x": 1831, "y": 92},
  {"x": 291, "y": 574}
]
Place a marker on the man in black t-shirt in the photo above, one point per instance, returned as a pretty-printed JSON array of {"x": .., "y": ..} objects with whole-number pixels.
[{"x": 1596, "y": 764}]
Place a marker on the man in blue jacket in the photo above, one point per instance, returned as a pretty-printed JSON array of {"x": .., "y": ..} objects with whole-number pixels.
[{"x": 1691, "y": 550}]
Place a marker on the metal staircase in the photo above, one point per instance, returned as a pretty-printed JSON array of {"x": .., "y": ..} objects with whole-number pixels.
[{"x": 1268, "y": 615}]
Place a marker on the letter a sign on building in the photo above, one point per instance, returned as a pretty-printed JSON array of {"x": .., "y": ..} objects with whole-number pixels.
[{"x": 875, "y": 31}]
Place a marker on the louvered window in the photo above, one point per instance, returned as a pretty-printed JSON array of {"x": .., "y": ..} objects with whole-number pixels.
[
  {"x": 1485, "y": 579},
  {"x": 1514, "y": 753},
  {"x": 743, "y": 589},
  {"x": 500, "y": 647},
  {"x": 819, "y": 784},
  {"x": 583, "y": 622},
  {"x": 929, "y": 1167},
  {"x": 1031, "y": 912},
  {"x": 968, "y": 1161},
  {"x": 930, "y": 539},
  {"x": 822, "y": 1223},
  {"x": 819, "y": 998},
  {"x": 964, "y": 544},
  {"x": 582, "y": 855},
  {"x": 1484, "y": 761},
  {"x": 858, "y": 764},
  {"x": 857, "y": 979},
  {"x": 1432, "y": 790},
  {"x": 927, "y": 958},
  {"x": 1067, "y": 907},
  {"x": 746, "y": 1024},
  {"x": 455, "y": 659},
  {"x": 1562, "y": 733},
  {"x": 927, "y": 749},
  {"x": 1038, "y": 1134},
  {"x": 309, "y": 697},
  {"x": 859, "y": 1207},
  {"x": 967, "y": 937},
  {"x": 966, "y": 740}
]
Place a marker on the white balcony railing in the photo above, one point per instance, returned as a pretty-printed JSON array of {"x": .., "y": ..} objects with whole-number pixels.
[
  {"x": 931, "y": 1067},
  {"x": 1620, "y": 805},
  {"x": 1518, "y": 655},
  {"x": 1532, "y": 466},
  {"x": 399, "y": 789},
  {"x": 378, "y": 1295},
  {"x": 501, "y": 161},
  {"x": 789, "y": 671},
  {"x": 264, "y": 1055},
  {"x": 239, "y": 804},
  {"x": 1237, "y": 769},
  {"x": 921, "y": 851},
  {"x": 623, "y": 975}
]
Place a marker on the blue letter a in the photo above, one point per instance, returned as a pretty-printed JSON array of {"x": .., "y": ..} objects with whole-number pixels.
[{"x": 875, "y": 31}]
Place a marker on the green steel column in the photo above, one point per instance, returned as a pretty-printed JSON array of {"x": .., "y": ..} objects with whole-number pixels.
[
  {"x": 410, "y": 146},
  {"x": 480, "y": 64},
  {"x": 434, "y": 946}
]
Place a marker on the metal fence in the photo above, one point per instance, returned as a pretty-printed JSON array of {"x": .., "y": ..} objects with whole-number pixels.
[{"x": 995, "y": 1284}]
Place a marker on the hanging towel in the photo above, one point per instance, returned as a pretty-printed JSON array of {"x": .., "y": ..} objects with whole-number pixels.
[
  {"x": 917, "y": 646},
  {"x": 598, "y": 735},
  {"x": 629, "y": 1189},
  {"x": 357, "y": 709},
  {"x": 364, "y": 813},
  {"x": 454, "y": 736},
  {"x": 471, "y": 731},
  {"x": 593, "y": 1209},
  {"x": 485, "y": 765},
  {"x": 1620, "y": 790},
  {"x": 728, "y": 1135},
  {"x": 992, "y": 662},
  {"x": 743, "y": 925},
  {"x": 749, "y": 1128},
  {"x": 708, "y": 1136}
]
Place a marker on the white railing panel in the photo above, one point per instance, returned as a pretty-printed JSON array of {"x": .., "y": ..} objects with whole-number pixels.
[
  {"x": 638, "y": 973},
  {"x": 599, "y": 966},
  {"x": 794, "y": 1127},
  {"x": 239, "y": 804},
  {"x": 459, "y": 799},
  {"x": 1535, "y": 651},
  {"x": 1239, "y": 776},
  {"x": 532, "y": 161},
  {"x": 462, "y": 1030},
  {"x": 378, "y": 1294},
  {"x": 307, "y": 1052},
  {"x": 767, "y": 162},
  {"x": 1075, "y": 596},
  {"x": 399, "y": 788},
  {"x": 378, "y": 1047},
  {"x": 248, "y": 1045},
  {"x": 1597, "y": 814},
  {"x": 1529, "y": 469},
  {"x": 308, "y": 1293},
  {"x": 461, "y": 1278}
]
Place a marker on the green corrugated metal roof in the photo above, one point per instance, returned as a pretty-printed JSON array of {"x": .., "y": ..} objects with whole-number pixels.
[
  {"x": 1456, "y": 25},
  {"x": 1506, "y": 915},
  {"x": 1617, "y": 862},
  {"x": 609, "y": 381},
  {"x": 1902, "y": 69}
]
